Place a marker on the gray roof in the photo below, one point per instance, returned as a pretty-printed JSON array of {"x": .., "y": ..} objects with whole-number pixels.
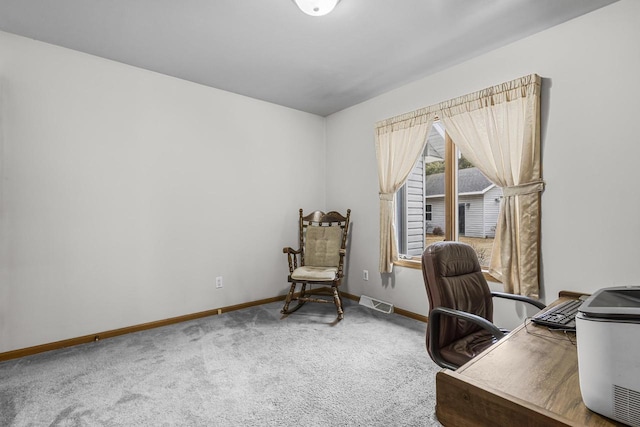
[{"x": 470, "y": 181}]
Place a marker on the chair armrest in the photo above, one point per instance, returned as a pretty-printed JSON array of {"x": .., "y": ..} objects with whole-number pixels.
[
  {"x": 292, "y": 258},
  {"x": 434, "y": 331},
  {"x": 522, "y": 298}
]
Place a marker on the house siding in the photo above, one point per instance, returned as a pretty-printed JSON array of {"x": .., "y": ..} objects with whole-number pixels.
[
  {"x": 481, "y": 215},
  {"x": 491, "y": 211},
  {"x": 473, "y": 215},
  {"x": 437, "y": 213},
  {"x": 415, "y": 231}
]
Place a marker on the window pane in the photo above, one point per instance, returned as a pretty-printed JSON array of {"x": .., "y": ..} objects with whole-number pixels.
[
  {"x": 410, "y": 214},
  {"x": 478, "y": 207},
  {"x": 445, "y": 190},
  {"x": 434, "y": 166}
]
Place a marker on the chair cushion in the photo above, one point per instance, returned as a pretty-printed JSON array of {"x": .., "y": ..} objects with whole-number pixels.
[
  {"x": 322, "y": 246},
  {"x": 466, "y": 348},
  {"x": 314, "y": 273}
]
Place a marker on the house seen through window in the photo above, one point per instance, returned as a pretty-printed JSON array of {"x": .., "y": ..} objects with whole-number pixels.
[{"x": 446, "y": 198}]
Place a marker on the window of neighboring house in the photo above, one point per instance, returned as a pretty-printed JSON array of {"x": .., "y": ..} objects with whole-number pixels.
[{"x": 458, "y": 201}]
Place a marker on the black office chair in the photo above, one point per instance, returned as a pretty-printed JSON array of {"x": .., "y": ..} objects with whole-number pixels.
[{"x": 461, "y": 307}]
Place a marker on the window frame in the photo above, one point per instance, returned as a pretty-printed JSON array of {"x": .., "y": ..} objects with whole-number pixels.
[{"x": 451, "y": 205}]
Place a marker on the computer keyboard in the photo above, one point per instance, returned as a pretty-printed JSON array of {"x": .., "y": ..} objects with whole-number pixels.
[{"x": 561, "y": 316}]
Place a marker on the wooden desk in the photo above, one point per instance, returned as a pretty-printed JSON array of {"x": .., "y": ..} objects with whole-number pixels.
[{"x": 523, "y": 380}]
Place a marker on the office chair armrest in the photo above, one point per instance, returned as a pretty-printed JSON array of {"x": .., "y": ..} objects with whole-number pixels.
[
  {"x": 434, "y": 331},
  {"x": 522, "y": 298}
]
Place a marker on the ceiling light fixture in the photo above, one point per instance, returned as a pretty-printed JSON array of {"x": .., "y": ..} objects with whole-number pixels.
[{"x": 316, "y": 7}]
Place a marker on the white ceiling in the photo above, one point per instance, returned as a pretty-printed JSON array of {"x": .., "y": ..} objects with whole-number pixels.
[{"x": 270, "y": 50}]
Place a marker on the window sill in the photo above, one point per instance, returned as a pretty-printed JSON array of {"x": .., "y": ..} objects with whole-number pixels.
[
  {"x": 409, "y": 263},
  {"x": 416, "y": 263}
]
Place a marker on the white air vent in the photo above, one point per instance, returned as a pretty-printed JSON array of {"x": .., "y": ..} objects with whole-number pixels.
[
  {"x": 376, "y": 304},
  {"x": 626, "y": 405}
]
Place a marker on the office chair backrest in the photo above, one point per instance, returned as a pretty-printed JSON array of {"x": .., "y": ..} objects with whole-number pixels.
[{"x": 453, "y": 279}]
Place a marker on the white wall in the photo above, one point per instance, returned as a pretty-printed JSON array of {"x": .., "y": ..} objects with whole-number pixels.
[
  {"x": 590, "y": 150},
  {"x": 124, "y": 193}
]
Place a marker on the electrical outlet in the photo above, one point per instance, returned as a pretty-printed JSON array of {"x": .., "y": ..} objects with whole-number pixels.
[
  {"x": 218, "y": 282},
  {"x": 365, "y": 274}
]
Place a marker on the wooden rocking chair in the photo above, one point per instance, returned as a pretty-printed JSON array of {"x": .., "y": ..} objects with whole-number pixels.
[{"x": 318, "y": 261}]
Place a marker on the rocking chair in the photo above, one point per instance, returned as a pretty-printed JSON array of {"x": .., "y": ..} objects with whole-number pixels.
[{"x": 318, "y": 261}]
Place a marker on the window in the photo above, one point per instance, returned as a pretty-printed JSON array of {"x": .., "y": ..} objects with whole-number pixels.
[
  {"x": 457, "y": 201},
  {"x": 499, "y": 129}
]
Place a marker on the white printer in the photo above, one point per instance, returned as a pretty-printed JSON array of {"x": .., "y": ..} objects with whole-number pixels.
[{"x": 608, "y": 336}]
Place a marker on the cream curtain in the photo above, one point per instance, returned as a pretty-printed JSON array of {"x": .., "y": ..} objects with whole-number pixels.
[
  {"x": 399, "y": 143},
  {"x": 498, "y": 130}
]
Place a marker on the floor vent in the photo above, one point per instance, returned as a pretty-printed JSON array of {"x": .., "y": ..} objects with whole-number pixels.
[{"x": 376, "y": 304}]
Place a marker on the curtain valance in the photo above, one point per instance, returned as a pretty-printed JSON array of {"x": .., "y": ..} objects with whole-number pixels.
[{"x": 504, "y": 92}]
